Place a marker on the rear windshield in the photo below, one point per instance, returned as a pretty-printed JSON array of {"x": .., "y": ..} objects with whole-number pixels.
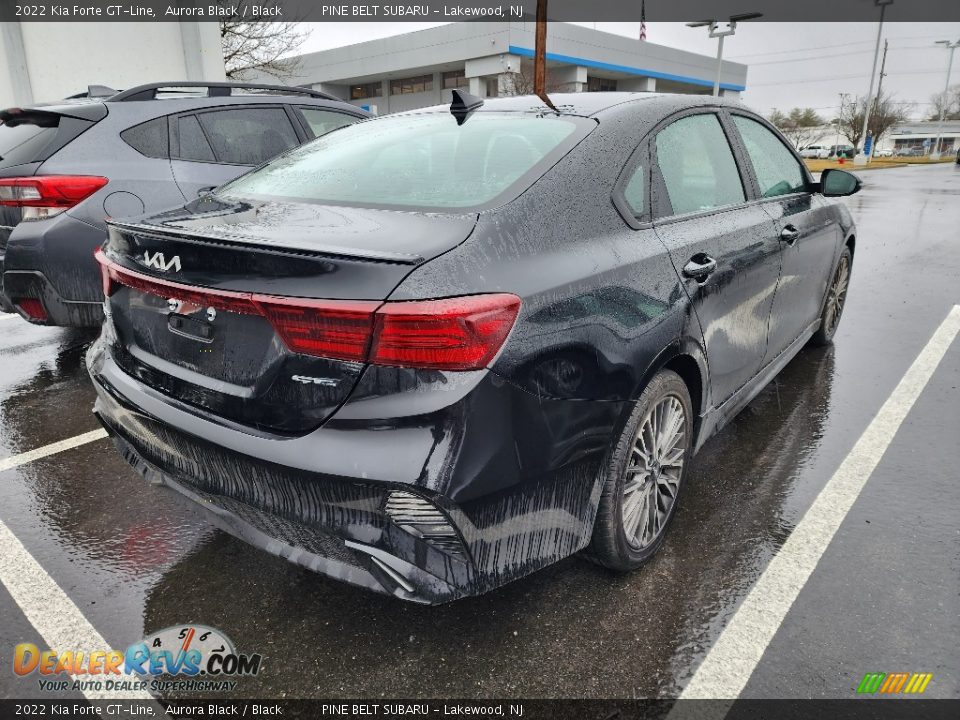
[
  {"x": 24, "y": 142},
  {"x": 418, "y": 161}
]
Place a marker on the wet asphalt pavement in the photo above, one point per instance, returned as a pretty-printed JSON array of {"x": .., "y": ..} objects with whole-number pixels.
[{"x": 884, "y": 597}]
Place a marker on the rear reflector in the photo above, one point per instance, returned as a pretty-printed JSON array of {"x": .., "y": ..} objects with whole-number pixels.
[
  {"x": 420, "y": 518},
  {"x": 48, "y": 191},
  {"x": 462, "y": 333},
  {"x": 32, "y": 307}
]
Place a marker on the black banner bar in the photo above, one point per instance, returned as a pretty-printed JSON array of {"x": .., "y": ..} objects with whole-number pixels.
[
  {"x": 863, "y": 708},
  {"x": 472, "y": 10}
]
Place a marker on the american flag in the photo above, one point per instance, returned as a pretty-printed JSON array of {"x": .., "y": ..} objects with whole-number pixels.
[{"x": 643, "y": 20}]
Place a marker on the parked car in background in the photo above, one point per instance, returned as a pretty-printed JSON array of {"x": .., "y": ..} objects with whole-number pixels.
[
  {"x": 819, "y": 152},
  {"x": 65, "y": 167},
  {"x": 846, "y": 151},
  {"x": 914, "y": 151},
  {"x": 886, "y": 152},
  {"x": 436, "y": 351}
]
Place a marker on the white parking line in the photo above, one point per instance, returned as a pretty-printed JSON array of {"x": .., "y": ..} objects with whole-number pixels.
[
  {"x": 51, "y": 449},
  {"x": 50, "y": 610},
  {"x": 729, "y": 664},
  {"x": 44, "y": 603}
]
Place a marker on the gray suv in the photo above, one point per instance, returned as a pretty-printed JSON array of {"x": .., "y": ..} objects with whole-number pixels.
[{"x": 66, "y": 167}]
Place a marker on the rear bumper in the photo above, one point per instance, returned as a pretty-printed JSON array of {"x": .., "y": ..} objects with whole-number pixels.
[
  {"x": 52, "y": 261},
  {"x": 60, "y": 311},
  {"x": 516, "y": 477}
]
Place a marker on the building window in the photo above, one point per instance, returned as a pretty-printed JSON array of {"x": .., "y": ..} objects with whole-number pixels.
[
  {"x": 598, "y": 84},
  {"x": 369, "y": 90},
  {"x": 405, "y": 86},
  {"x": 454, "y": 79},
  {"x": 493, "y": 86}
]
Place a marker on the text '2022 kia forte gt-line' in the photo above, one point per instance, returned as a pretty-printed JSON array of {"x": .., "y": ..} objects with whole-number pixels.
[{"x": 433, "y": 352}]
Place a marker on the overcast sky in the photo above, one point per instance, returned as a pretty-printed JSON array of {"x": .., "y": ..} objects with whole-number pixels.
[{"x": 791, "y": 64}]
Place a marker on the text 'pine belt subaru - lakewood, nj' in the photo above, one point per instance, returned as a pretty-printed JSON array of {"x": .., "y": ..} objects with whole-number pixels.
[{"x": 433, "y": 352}]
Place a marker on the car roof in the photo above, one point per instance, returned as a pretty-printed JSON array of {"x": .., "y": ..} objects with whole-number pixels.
[
  {"x": 166, "y": 101},
  {"x": 590, "y": 104}
]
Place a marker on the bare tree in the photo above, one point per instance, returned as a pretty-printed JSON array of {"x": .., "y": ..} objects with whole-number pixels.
[
  {"x": 800, "y": 125},
  {"x": 885, "y": 113},
  {"x": 251, "y": 47},
  {"x": 522, "y": 83},
  {"x": 948, "y": 101}
]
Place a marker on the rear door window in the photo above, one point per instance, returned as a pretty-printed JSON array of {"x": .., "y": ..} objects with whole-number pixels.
[
  {"x": 193, "y": 142},
  {"x": 248, "y": 136},
  {"x": 697, "y": 165},
  {"x": 778, "y": 171},
  {"x": 320, "y": 122},
  {"x": 635, "y": 192}
]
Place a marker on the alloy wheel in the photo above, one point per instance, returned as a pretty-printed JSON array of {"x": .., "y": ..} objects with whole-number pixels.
[
  {"x": 654, "y": 471},
  {"x": 838, "y": 295}
]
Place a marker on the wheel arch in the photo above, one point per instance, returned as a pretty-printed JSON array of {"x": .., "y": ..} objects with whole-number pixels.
[{"x": 686, "y": 358}]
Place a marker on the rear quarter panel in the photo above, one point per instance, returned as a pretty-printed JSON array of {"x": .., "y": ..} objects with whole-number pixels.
[{"x": 602, "y": 302}]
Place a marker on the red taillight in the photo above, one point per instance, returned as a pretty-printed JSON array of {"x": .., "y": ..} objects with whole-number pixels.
[
  {"x": 339, "y": 329},
  {"x": 48, "y": 191},
  {"x": 462, "y": 333},
  {"x": 32, "y": 307}
]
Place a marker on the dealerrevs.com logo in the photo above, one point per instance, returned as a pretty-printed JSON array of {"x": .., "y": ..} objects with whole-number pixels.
[{"x": 193, "y": 658}]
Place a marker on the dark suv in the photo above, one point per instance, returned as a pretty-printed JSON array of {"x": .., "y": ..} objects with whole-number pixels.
[{"x": 66, "y": 167}]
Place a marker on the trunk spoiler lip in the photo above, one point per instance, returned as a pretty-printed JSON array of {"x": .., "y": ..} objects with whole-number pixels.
[{"x": 332, "y": 251}]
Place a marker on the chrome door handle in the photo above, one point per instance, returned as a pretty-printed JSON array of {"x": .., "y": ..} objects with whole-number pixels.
[
  {"x": 699, "y": 267},
  {"x": 789, "y": 234}
]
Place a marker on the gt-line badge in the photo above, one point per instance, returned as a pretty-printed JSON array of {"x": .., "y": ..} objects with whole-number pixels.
[{"x": 308, "y": 380}]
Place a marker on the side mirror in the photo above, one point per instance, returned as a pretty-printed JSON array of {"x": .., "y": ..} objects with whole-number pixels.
[{"x": 839, "y": 183}]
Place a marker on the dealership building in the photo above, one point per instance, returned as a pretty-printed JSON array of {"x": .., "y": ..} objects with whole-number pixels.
[
  {"x": 419, "y": 69},
  {"x": 923, "y": 135}
]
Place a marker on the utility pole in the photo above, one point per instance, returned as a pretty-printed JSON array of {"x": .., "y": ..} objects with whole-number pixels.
[
  {"x": 946, "y": 90},
  {"x": 876, "y": 102},
  {"x": 540, "y": 56},
  {"x": 862, "y": 158},
  {"x": 883, "y": 66}
]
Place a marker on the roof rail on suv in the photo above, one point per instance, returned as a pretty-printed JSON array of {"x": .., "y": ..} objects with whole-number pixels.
[{"x": 214, "y": 89}]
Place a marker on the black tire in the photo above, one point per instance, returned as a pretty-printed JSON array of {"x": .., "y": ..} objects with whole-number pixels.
[
  {"x": 612, "y": 545},
  {"x": 832, "y": 308}
]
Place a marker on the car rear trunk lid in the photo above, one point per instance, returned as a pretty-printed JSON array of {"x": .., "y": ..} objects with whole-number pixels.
[{"x": 183, "y": 299}]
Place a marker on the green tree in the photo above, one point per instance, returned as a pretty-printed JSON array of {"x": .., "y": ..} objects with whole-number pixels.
[{"x": 801, "y": 125}]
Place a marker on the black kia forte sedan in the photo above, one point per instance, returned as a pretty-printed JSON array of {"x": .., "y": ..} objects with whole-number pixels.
[{"x": 435, "y": 351}]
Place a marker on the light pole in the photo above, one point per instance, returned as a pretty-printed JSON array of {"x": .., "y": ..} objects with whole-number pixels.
[
  {"x": 716, "y": 32},
  {"x": 862, "y": 159},
  {"x": 946, "y": 90}
]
